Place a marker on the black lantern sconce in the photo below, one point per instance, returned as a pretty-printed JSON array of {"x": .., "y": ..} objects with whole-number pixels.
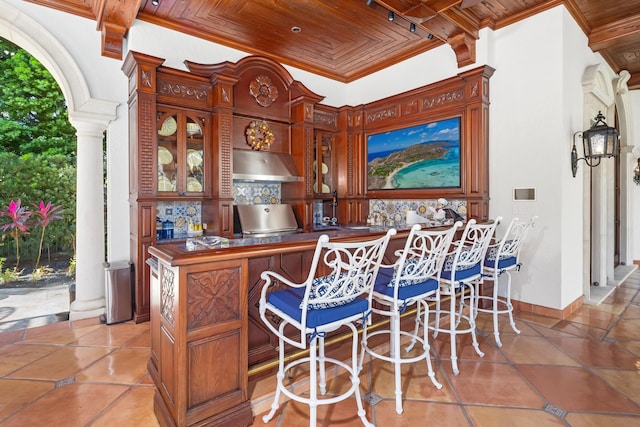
[
  {"x": 636, "y": 173},
  {"x": 599, "y": 141}
]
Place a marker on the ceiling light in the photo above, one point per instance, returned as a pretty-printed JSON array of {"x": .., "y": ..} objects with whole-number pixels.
[
  {"x": 430, "y": 36},
  {"x": 295, "y": 29},
  {"x": 369, "y": 2},
  {"x": 412, "y": 27},
  {"x": 391, "y": 16},
  {"x": 155, "y": 2}
]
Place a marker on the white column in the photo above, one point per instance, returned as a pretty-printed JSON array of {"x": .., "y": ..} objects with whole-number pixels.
[{"x": 90, "y": 241}]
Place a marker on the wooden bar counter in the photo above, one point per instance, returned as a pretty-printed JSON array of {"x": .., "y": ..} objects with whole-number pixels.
[{"x": 205, "y": 326}]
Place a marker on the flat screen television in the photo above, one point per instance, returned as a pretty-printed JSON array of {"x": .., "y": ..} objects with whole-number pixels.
[{"x": 418, "y": 157}]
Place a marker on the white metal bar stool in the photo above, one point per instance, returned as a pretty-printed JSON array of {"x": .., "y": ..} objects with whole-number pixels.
[
  {"x": 462, "y": 268},
  {"x": 320, "y": 305},
  {"x": 413, "y": 278},
  {"x": 503, "y": 256}
]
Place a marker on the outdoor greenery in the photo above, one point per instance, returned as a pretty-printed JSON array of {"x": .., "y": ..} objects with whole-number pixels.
[{"x": 37, "y": 159}]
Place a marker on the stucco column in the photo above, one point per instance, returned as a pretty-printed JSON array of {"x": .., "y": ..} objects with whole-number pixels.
[{"x": 90, "y": 240}]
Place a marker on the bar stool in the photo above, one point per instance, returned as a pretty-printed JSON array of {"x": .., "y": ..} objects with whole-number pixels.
[
  {"x": 320, "y": 305},
  {"x": 462, "y": 268},
  {"x": 503, "y": 256},
  {"x": 410, "y": 280}
]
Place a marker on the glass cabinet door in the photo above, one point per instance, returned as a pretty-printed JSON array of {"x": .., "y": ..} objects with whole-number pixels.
[
  {"x": 167, "y": 152},
  {"x": 323, "y": 165},
  {"x": 194, "y": 166},
  {"x": 181, "y": 153}
]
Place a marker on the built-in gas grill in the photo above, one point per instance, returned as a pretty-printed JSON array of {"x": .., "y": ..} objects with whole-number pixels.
[{"x": 265, "y": 220}]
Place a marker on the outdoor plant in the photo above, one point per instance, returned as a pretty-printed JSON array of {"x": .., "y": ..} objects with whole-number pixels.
[
  {"x": 45, "y": 214},
  {"x": 18, "y": 225},
  {"x": 8, "y": 274}
]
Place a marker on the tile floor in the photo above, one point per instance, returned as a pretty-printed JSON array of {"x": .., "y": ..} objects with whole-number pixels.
[{"x": 581, "y": 372}]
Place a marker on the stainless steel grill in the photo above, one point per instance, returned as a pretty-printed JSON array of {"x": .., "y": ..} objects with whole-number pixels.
[{"x": 266, "y": 220}]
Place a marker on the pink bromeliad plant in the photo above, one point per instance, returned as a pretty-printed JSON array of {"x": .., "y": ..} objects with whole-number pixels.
[
  {"x": 45, "y": 214},
  {"x": 18, "y": 225}
]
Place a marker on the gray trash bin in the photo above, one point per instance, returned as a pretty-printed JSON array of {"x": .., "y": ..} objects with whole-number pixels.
[{"x": 118, "y": 292}]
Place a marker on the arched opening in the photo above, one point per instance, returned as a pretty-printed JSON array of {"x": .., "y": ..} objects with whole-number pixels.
[{"x": 90, "y": 117}]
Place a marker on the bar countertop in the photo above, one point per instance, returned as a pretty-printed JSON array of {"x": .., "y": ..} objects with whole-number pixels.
[{"x": 207, "y": 248}]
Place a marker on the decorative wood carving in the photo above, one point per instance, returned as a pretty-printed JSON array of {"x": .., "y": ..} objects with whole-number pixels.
[
  {"x": 443, "y": 98},
  {"x": 181, "y": 91},
  {"x": 212, "y": 297},
  {"x": 263, "y": 90},
  {"x": 387, "y": 113},
  {"x": 167, "y": 295},
  {"x": 145, "y": 78}
]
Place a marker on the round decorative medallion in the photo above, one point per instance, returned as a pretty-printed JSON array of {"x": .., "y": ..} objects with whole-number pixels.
[
  {"x": 263, "y": 91},
  {"x": 259, "y": 136}
]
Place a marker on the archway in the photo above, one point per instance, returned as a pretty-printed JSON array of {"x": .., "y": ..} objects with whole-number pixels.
[{"x": 90, "y": 117}]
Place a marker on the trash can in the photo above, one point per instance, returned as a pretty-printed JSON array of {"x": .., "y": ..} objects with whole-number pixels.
[{"x": 118, "y": 292}]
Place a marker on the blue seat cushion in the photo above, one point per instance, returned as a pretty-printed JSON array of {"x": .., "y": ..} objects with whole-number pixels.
[
  {"x": 383, "y": 286},
  {"x": 461, "y": 273},
  {"x": 504, "y": 262},
  {"x": 289, "y": 301}
]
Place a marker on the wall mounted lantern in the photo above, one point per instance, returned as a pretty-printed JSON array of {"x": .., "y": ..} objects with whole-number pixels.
[
  {"x": 599, "y": 141},
  {"x": 636, "y": 173}
]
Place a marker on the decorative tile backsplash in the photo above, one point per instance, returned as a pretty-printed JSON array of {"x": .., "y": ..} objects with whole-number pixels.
[
  {"x": 256, "y": 193},
  {"x": 396, "y": 210},
  {"x": 180, "y": 213}
]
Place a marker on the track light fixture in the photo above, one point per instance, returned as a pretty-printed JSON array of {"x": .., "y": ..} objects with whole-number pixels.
[
  {"x": 369, "y": 2},
  {"x": 430, "y": 36},
  {"x": 155, "y": 2},
  {"x": 412, "y": 27},
  {"x": 391, "y": 16}
]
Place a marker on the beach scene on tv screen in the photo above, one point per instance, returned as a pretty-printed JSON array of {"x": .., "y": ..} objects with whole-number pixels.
[{"x": 422, "y": 156}]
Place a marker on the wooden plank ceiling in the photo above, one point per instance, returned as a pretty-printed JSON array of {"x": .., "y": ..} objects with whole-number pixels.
[{"x": 347, "y": 39}]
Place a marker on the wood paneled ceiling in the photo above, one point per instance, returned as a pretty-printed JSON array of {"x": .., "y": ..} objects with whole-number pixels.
[{"x": 348, "y": 39}]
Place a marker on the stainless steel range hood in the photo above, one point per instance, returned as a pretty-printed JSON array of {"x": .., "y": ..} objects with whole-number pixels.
[{"x": 263, "y": 166}]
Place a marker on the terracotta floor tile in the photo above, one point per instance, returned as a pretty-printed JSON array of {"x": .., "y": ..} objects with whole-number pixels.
[
  {"x": 585, "y": 367},
  {"x": 57, "y": 335},
  {"x": 625, "y": 381},
  {"x": 577, "y": 389},
  {"x": 72, "y": 405},
  {"x": 486, "y": 416},
  {"x": 61, "y": 364},
  {"x": 592, "y": 353},
  {"x": 17, "y": 394},
  {"x": 632, "y": 346},
  {"x": 113, "y": 336},
  {"x": 419, "y": 414},
  {"x": 534, "y": 350},
  {"x": 15, "y": 356},
  {"x": 632, "y": 312},
  {"x": 415, "y": 382},
  {"x": 123, "y": 366},
  {"x": 344, "y": 413},
  {"x": 536, "y": 319},
  {"x": 599, "y": 420},
  {"x": 627, "y": 330},
  {"x": 493, "y": 383},
  {"x": 134, "y": 408}
]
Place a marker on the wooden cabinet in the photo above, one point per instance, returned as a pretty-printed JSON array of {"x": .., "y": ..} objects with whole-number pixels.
[{"x": 182, "y": 152}]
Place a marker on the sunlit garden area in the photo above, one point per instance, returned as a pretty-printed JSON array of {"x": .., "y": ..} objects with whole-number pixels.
[{"x": 37, "y": 175}]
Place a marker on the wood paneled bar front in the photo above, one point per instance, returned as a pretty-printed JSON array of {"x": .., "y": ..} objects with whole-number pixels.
[{"x": 206, "y": 331}]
